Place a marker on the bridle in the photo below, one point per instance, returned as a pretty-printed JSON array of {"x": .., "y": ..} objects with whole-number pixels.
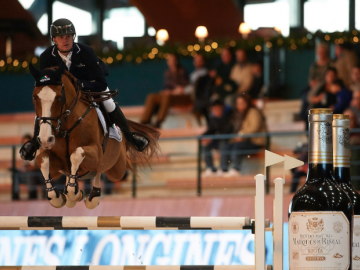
[{"x": 64, "y": 113}]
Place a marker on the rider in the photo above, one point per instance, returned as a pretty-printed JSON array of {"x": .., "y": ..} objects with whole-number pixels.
[{"x": 90, "y": 73}]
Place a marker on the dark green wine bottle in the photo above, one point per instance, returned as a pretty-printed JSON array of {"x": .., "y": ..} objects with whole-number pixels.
[
  {"x": 320, "y": 213},
  {"x": 341, "y": 145}
]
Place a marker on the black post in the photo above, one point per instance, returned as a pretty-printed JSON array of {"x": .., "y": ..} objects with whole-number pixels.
[
  {"x": 351, "y": 15},
  {"x": 267, "y": 147},
  {"x": 134, "y": 182},
  {"x": 15, "y": 184},
  {"x": 199, "y": 168},
  {"x": 49, "y": 11},
  {"x": 302, "y": 13}
]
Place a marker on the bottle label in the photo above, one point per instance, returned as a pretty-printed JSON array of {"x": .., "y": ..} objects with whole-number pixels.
[
  {"x": 356, "y": 244},
  {"x": 319, "y": 240}
]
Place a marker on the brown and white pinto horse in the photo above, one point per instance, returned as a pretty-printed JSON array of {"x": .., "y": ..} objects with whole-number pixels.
[{"x": 61, "y": 109}]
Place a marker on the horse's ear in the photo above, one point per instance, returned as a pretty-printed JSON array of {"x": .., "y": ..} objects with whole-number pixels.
[
  {"x": 34, "y": 71},
  {"x": 60, "y": 70}
]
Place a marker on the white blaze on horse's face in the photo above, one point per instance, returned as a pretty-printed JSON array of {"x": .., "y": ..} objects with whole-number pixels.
[{"x": 47, "y": 97}]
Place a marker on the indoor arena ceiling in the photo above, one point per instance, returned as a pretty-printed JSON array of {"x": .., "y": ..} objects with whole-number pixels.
[{"x": 180, "y": 18}]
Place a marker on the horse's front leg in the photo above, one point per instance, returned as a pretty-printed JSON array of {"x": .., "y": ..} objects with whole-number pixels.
[
  {"x": 88, "y": 157},
  {"x": 57, "y": 199},
  {"x": 73, "y": 192}
]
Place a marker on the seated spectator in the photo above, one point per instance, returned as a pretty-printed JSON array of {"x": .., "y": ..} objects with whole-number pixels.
[
  {"x": 343, "y": 97},
  {"x": 354, "y": 113},
  {"x": 176, "y": 79},
  {"x": 200, "y": 71},
  {"x": 247, "y": 120},
  {"x": 219, "y": 123},
  {"x": 346, "y": 59},
  {"x": 316, "y": 76},
  {"x": 355, "y": 79},
  {"x": 223, "y": 86},
  {"x": 257, "y": 86},
  {"x": 321, "y": 96},
  {"x": 30, "y": 174},
  {"x": 241, "y": 73}
]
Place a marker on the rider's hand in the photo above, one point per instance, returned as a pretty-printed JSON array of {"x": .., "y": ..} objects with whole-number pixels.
[{"x": 80, "y": 85}]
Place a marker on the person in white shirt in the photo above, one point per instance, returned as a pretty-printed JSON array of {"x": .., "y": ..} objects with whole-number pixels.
[{"x": 200, "y": 71}]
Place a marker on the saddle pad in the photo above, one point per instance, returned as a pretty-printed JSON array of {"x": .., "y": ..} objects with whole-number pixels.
[{"x": 114, "y": 133}]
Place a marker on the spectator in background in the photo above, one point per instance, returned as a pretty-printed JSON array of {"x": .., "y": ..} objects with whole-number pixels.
[
  {"x": 320, "y": 66},
  {"x": 316, "y": 76},
  {"x": 200, "y": 71},
  {"x": 219, "y": 123},
  {"x": 176, "y": 79},
  {"x": 257, "y": 87},
  {"x": 223, "y": 86},
  {"x": 29, "y": 173},
  {"x": 355, "y": 79},
  {"x": 346, "y": 59},
  {"x": 241, "y": 73},
  {"x": 321, "y": 96},
  {"x": 354, "y": 110},
  {"x": 343, "y": 97},
  {"x": 247, "y": 120}
]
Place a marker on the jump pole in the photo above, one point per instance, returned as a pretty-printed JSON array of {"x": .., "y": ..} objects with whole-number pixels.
[{"x": 149, "y": 267}]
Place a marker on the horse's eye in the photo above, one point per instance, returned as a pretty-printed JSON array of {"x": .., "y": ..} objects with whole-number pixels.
[
  {"x": 59, "y": 98},
  {"x": 34, "y": 98}
]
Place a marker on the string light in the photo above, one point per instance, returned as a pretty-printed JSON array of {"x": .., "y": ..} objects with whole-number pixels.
[
  {"x": 196, "y": 47},
  {"x": 356, "y": 39},
  {"x": 268, "y": 44},
  {"x": 232, "y": 43},
  {"x": 155, "y": 50},
  {"x": 145, "y": 56},
  {"x": 214, "y": 45},
  {"x": 293, "y": 46},
  {"x": 327, "y": 37},
  {"x": 2, "y": 63},
  {"x": 16, "y": 63},
  {"x": 119, "y": 56},
  {"x": 258, "y": 48},
  {"x": 190, "y": 48},
  {"x": 9, "y": 60},
  {"x": 34, "y": 60},
  {"x": 151, "y": 55},
  {"x": 208, "y": 48},
  {"x": 138, "y": 59},
  {"x": 25, "y": 64}
]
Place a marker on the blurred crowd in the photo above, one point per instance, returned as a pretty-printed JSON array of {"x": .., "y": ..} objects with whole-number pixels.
[{"x": 224, "y": 95}]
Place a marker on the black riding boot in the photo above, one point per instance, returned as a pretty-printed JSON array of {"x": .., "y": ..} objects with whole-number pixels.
[
  {"x": 28, "y": 150},
  {"x": 136, "y": 139}
]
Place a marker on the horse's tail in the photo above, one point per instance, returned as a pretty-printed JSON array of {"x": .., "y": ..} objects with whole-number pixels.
[{"x": 152, "y": 150}]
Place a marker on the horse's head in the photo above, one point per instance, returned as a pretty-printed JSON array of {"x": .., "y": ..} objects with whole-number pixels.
[{"x": 49, "y": 101}]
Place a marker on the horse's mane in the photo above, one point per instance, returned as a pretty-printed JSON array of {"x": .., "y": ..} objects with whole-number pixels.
[{"x": 67, "y": 74}]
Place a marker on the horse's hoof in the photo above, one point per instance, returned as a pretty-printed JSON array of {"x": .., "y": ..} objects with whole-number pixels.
[
  {"x": 70, "y": 203},
  {"x": 76, "y": 197},
  {"x": 93, "y": 203},
  {"x": 58, "y": 202}
]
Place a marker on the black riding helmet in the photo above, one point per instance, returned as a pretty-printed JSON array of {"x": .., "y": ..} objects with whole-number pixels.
[{"x": 62, "y": 27}]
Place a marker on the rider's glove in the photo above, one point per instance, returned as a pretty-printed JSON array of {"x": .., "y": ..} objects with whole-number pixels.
[{"x": 80, "y": 85}]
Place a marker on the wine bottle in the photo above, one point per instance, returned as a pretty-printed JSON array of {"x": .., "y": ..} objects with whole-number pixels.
[
  {"x": 320, "y": 213},
  {"x": 341, "y": 146}
]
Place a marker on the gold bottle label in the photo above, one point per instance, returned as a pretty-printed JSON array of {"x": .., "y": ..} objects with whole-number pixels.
[
  {"x": 356, "y": 244},
  {"x": 319, "y": 240}
]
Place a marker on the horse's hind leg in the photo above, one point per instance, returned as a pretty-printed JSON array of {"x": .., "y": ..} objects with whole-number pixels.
[
  {"x": 73, "y": 193},
  {"x": 92, "y": 200}
]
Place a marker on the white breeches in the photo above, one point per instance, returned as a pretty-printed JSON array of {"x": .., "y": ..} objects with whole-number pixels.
[{"x": 109, "y": 104}]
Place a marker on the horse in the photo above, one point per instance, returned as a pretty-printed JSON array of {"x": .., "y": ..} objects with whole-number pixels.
[{"x": 72, "y": 139}]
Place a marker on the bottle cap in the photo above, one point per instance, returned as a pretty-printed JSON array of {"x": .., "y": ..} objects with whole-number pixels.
[
  {"x": 320, "y": 111},
  {"x": 341, "y": 116}
]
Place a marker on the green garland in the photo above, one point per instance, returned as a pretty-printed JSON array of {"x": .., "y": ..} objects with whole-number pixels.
[{"x": 209, "y": 48}]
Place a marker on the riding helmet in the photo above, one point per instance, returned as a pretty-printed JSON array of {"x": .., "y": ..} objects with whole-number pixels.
[{"x": 62, "y": 27}]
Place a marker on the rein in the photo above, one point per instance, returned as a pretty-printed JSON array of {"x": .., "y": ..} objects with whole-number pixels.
[{"x": 88, "y": 97}]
